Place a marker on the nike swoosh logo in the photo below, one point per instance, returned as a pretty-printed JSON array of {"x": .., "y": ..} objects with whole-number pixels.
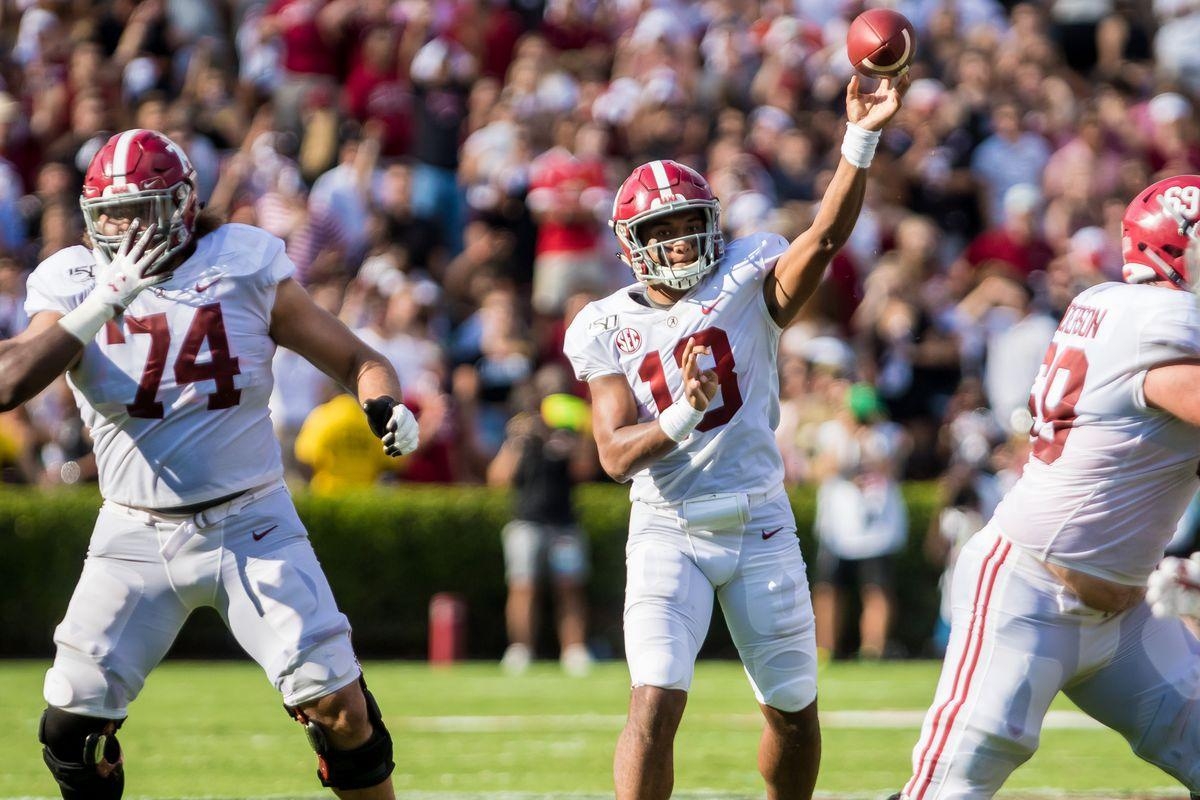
[
  {"x": 201, "y": 288},
  {"x": 706, "y": 310},
  {"x": 257, "y": 536},
  {"x": 768, "y": 534}
]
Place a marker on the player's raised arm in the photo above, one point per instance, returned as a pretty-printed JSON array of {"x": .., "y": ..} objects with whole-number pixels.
[
  {"x": 802, "y": 265},
  {"x": 302, "y": 326},
  {"x": 626, "y": 445}
]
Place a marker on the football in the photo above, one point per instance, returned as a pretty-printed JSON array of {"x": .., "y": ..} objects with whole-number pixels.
[{"x": 881, "y": 43}]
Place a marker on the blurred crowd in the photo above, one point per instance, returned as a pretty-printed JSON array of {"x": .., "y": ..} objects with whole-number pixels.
[{"x": 442, "y": 173}]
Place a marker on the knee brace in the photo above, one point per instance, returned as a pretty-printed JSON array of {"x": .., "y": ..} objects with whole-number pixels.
[
  {"x": 83, "y": 755},
  {"x": 365, "y": 766}
]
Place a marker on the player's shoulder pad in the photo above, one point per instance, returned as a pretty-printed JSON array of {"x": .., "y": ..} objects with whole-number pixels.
[
  {"x": 61, "y": 281},
  {"x": 246, "y": 250},
  {"x": 757, "y": 251},
  {"x": 593, "y": 321},
  {"x": 587, "y": 343},
  {"x": 1163, "y": 316},
  {"x": 67, "y": 271}
]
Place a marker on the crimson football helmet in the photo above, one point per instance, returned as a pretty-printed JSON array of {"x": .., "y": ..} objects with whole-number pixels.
[
  {"x": 656, "y": 189},
  {"x": 141, "y": 174},
  {"x": 1157, "y": 228}
]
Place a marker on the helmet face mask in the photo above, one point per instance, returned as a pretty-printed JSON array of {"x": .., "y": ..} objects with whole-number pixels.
[
  {"x": 1157, "y": 230},
  {"x": 142, "y": 175},
  {"x": 659, "y": 189}
]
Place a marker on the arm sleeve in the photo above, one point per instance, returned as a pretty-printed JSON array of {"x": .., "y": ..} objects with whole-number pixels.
[
  {"x": 1170, "y": 333},
  {"x": 60, "y": 282},
  {"x": 279, "y": 266},
  {"x": 586, "y": 346}
]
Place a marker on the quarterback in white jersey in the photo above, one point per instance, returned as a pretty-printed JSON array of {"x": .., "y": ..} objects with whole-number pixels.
[
  {"x": 1049, "y": 597},
  {"x": 166, "y": 332},
  {"x": 685, "y": 398}
]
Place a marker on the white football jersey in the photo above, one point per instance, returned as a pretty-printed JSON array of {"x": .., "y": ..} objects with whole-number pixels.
[
  {"x": 175, "y": 390},
  {"x": 733, "y": 448},
  {"x": 1109, "y": 477}
]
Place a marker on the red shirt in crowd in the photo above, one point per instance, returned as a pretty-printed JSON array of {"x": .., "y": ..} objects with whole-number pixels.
[
  {"x": 384, "y": 97},
  {"x": 561, "y": 193},
  {"x": 998, "y": 244},
  {"x": 305, "y": 49}
]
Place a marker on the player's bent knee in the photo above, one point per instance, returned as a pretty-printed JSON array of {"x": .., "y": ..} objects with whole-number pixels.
[
  {"x": 792, "y": 696},
  {"x": 88, "y": 688},
  {"x": 1171, "y": 739},
  {"x": 362, "y": 767},
  {"x": 323, "y": 667},
  {"x": 661, "y": 670},
  {"x": 83, "y": 754}
]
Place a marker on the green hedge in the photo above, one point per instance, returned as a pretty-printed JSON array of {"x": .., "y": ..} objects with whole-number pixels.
[{"x": 386, "y": 552}]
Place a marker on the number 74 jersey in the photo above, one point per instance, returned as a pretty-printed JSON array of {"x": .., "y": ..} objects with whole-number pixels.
[
  {"x": 175, "y": 390},
  {"x": 733, "y": 448},
  {"x": 1108, "y": 477}
]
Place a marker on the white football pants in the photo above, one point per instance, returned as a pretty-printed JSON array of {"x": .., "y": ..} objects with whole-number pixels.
[
  {"x": 1017, "y": 638},
  {"x": 250, "y": 559},
  {"x": 757, "y": 574}
]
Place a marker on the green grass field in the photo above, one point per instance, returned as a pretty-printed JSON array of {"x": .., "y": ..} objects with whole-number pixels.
[{"x": 216, "y": 730}]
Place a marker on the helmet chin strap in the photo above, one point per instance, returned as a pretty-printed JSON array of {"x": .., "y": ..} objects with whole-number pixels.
[{"x": 1169, "y": 271}]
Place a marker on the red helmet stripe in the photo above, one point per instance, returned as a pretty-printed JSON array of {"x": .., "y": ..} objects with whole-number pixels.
[
  {"x": 121, "y": 157},
  {"x": 664, "y": 183}
]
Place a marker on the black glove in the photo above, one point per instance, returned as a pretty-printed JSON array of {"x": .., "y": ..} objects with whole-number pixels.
[
  {"x": 379, "y": 413},
  {"x": 394, "y": 424}
]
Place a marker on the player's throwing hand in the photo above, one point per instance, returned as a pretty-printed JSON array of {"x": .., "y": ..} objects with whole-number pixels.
[
  {"x": 699, "y": 386},
  {"x": 872, "y": 110},
  {"x": 1173, "y": 589}
]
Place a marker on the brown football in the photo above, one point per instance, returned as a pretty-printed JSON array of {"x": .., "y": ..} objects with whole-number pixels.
[{"x": 881, "y": 43}]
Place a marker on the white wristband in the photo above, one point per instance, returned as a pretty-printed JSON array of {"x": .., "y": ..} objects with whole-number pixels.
[
  {"x": 858, "y": 147},
  {"x": 86, "y": 319},
  {"x": 679, "y": 420}
]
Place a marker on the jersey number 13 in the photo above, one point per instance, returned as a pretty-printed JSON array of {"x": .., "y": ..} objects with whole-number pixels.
[{"x": 651, "y": 371}]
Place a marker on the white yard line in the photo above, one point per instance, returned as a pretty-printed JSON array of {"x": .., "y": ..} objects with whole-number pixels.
[{"x": 888, "y": 719}]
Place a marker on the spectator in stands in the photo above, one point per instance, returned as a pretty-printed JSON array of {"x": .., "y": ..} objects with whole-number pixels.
[
  {"x": 1017, "y": 332},
  {"x": 442, "y": 72},
  {"x": 1011, "y": 155},
  {"x": 814, "y": 378},
  {"x": 1017, "y": 242},
  {"x": 494, "y": 343},
  {"x": 310, "y": 37},
  {"x": 337, "y": 445},
  {"x": 568, "y": 197},
  {"x": 861, "y": 519}
]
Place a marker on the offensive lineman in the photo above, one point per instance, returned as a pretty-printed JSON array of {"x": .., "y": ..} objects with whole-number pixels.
[
  {"x": 1049, "y": 596},
  {"x": 709, "y": 508},
  {"x": 166, "y": 332}
]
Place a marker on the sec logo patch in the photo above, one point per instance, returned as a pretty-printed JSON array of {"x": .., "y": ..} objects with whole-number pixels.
[{"x": 629, "y": 340}]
